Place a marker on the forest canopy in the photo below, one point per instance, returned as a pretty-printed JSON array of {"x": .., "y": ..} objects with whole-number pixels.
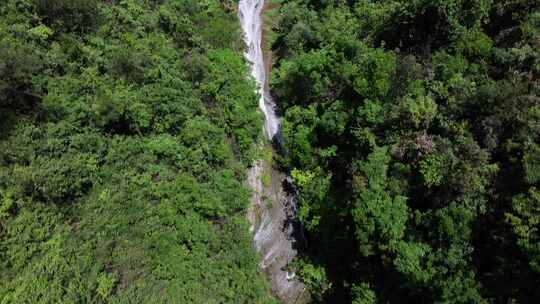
[
  {"x": 412, "y": 130},
  {"x": 126, "y": 128}
]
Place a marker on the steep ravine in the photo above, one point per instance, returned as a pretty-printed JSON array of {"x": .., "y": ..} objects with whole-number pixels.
[{"x": 273, "y": 208}]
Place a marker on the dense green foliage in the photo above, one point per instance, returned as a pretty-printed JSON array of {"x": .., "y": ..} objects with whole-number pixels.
[
  {"x": 413, "y": 131},
  {"x": 126, "y": 128}
]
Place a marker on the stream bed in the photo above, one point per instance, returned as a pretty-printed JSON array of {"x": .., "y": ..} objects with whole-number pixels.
[{"x": 273, "y": 208}]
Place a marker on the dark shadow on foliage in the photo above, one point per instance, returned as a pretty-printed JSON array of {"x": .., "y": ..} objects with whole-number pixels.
[
  {"x": 69, "y": 16},
  {"x": 421, "y": 33}
]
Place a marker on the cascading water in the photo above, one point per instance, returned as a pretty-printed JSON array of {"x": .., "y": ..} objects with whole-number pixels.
[
  {"x": 272, "y": 209},
  {"x": 251, "y": 20}
]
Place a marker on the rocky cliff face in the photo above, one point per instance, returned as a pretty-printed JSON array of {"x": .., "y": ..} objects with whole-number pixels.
[{"x": 273, "y": 208}]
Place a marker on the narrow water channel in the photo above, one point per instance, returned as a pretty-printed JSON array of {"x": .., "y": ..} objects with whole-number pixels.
[{"x": 273, "y": 209}]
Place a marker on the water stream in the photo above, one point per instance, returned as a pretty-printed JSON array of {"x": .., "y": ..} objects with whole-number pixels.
[
  {"x": 273, "y": 209},
  {"x": 250, "y": 14}
]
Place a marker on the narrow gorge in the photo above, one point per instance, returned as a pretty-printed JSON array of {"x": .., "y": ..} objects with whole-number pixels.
[{"x": 273, "y": 207}]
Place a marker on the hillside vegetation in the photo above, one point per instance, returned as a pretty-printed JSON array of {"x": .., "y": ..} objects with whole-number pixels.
[
  {"x": 412, "y": 129},
  {"x": 126, "y": 127}
]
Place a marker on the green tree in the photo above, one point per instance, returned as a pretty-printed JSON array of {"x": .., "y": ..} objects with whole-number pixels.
[{"x": 380, "y": 217}]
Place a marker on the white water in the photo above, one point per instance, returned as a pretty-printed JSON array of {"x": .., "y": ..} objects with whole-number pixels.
[
  {"x": 250, "y": 16},
  {"x": 272, "y": 209}
]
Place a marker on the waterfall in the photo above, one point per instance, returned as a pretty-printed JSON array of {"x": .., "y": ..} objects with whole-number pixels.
[
  {"x": 251, "y": 20},
  {"x": 272, "y": 209}
]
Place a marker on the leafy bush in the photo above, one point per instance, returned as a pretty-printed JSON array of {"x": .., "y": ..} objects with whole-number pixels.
[{"x": 123, "y": 154}]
